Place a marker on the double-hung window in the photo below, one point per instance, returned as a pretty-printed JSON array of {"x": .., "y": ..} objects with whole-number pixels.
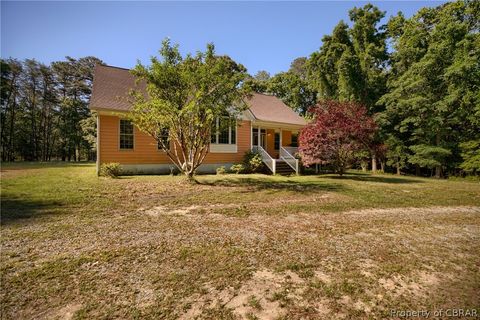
[
  {"x": 224, "y": 131},
  {"x": 126, "y": 135}
]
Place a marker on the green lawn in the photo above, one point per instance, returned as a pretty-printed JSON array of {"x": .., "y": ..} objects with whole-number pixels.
[{"x": 252, "y": 246}]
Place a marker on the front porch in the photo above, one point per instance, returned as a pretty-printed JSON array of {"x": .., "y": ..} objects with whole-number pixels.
[{"x": 277, "y": 145}]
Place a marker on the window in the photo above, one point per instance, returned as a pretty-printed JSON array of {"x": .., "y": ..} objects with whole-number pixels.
[
  {"x": 255, "y": 137},
  {"x": 214, "y": 134},
  {"x": 164, "y": 137},
  {"x": 294, "y": 140},
  {"x": 263, "y": 134},
  {"x": 224, "y": 131},
  {"x": 233, "y": 131},
  {"x": 277, "y": 141},
  {"x": 126, "y": 134}
]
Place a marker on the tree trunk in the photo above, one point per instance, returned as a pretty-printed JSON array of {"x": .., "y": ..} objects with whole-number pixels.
[
  {"x": 374, "y": 164},
  {"x": 438, "y": 172},
  {"x": 438, "y": 169},
  {"x": 382, "y": 166},
  {"x": 417, "y": 170},
  {"x": 398, "y": 170},
  {"x": 11, "y": 152},
  {"x": 190, "y": 177},
  {"x": 364, "y": 166}
]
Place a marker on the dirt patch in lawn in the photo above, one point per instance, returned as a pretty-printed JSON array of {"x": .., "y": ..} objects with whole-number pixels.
[
  {"x": 64, "y": 313},
  {"x": 216, "y": 209},
  {"x": 257, "y": 298},
  {"x": 184, "y": 211},
  {"x": 417, "y": 284},
  {"x": 413, "y": 211}
]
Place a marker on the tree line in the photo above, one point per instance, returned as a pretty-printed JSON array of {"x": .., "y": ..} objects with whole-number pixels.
[
  {"x": 418, "y": 77},
  {"x": 44, "y": 110}
]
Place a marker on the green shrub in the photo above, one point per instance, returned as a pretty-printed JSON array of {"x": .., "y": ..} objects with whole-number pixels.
[
  {"x": 111, "y": 169},
  {"x": 252, "y": 162},
  {"x": 237, "y": 168},
  {"x": 221, "y": 170}
]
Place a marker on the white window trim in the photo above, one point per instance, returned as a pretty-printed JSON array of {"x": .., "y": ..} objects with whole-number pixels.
[
  {"x": 120, "y": 133},
  {"x": 224, "y": 147}
]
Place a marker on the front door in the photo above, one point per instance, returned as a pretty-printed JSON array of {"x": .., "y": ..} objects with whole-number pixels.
[{"x": 263, "y": 137}]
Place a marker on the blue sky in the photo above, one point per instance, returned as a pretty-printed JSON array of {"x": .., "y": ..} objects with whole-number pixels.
[{"x": 260, "y": 35}]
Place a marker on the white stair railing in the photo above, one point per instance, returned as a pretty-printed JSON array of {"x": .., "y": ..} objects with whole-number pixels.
[
  {"x": 288, "y": 157},
  {"x": 291, "y": 150},
  {"x": 266, "y": 158}
]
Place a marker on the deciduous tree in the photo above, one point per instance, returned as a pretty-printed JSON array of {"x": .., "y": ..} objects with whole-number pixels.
[
  {"x": 338, "y": 131},
  {"x": 184, "y": 96},
  {"x": 433, "y": 97},
  {"x": 293, "y": 90}
]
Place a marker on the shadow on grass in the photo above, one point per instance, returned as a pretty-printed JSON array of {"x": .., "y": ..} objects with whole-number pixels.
[
  {"x": 355, "y": 176},
  {"x": 17, "y": 209},
  {"x": 259, "y": 183},
  {"x": 43, "y": 165}
]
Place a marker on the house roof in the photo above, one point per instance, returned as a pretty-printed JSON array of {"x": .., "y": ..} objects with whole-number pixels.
[
  {"x": 272, "y": 109},
  {"x": 112, "y": 84}
]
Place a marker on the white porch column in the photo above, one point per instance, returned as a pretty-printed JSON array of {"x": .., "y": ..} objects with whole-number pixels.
[
  {"x": 251, "y": 136},
  {"x": 259, "y": 140},
  {"x": 281, "y": 140}
]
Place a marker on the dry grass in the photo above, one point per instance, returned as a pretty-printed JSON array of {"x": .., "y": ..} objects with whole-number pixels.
[{"x": 254, "y": 247}]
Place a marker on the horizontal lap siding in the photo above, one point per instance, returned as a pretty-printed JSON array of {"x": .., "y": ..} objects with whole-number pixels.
[
  {"x": 286, "y": 138},
  {"x": 145, "y": 148},
  {"x": 271, "y": 143}
]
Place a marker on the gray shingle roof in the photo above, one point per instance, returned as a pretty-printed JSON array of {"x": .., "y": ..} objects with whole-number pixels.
[{"x": 111, "y": 86}]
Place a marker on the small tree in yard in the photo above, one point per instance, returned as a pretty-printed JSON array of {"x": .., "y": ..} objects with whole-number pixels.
[
  {"x": 182, "y": 99},
  {"x": 339, "y": 131}
]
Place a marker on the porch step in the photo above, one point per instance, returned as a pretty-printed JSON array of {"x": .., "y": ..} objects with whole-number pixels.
[{"x": 283, "y": 168}]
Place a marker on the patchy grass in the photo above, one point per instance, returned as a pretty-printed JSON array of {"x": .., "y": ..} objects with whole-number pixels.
[{"x": 234, "y": 246}]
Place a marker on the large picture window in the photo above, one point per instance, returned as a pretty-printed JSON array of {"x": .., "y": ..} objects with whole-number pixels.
[
  {"x": 224, "y": 131},
  {"x": 126, "y": 134}
]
